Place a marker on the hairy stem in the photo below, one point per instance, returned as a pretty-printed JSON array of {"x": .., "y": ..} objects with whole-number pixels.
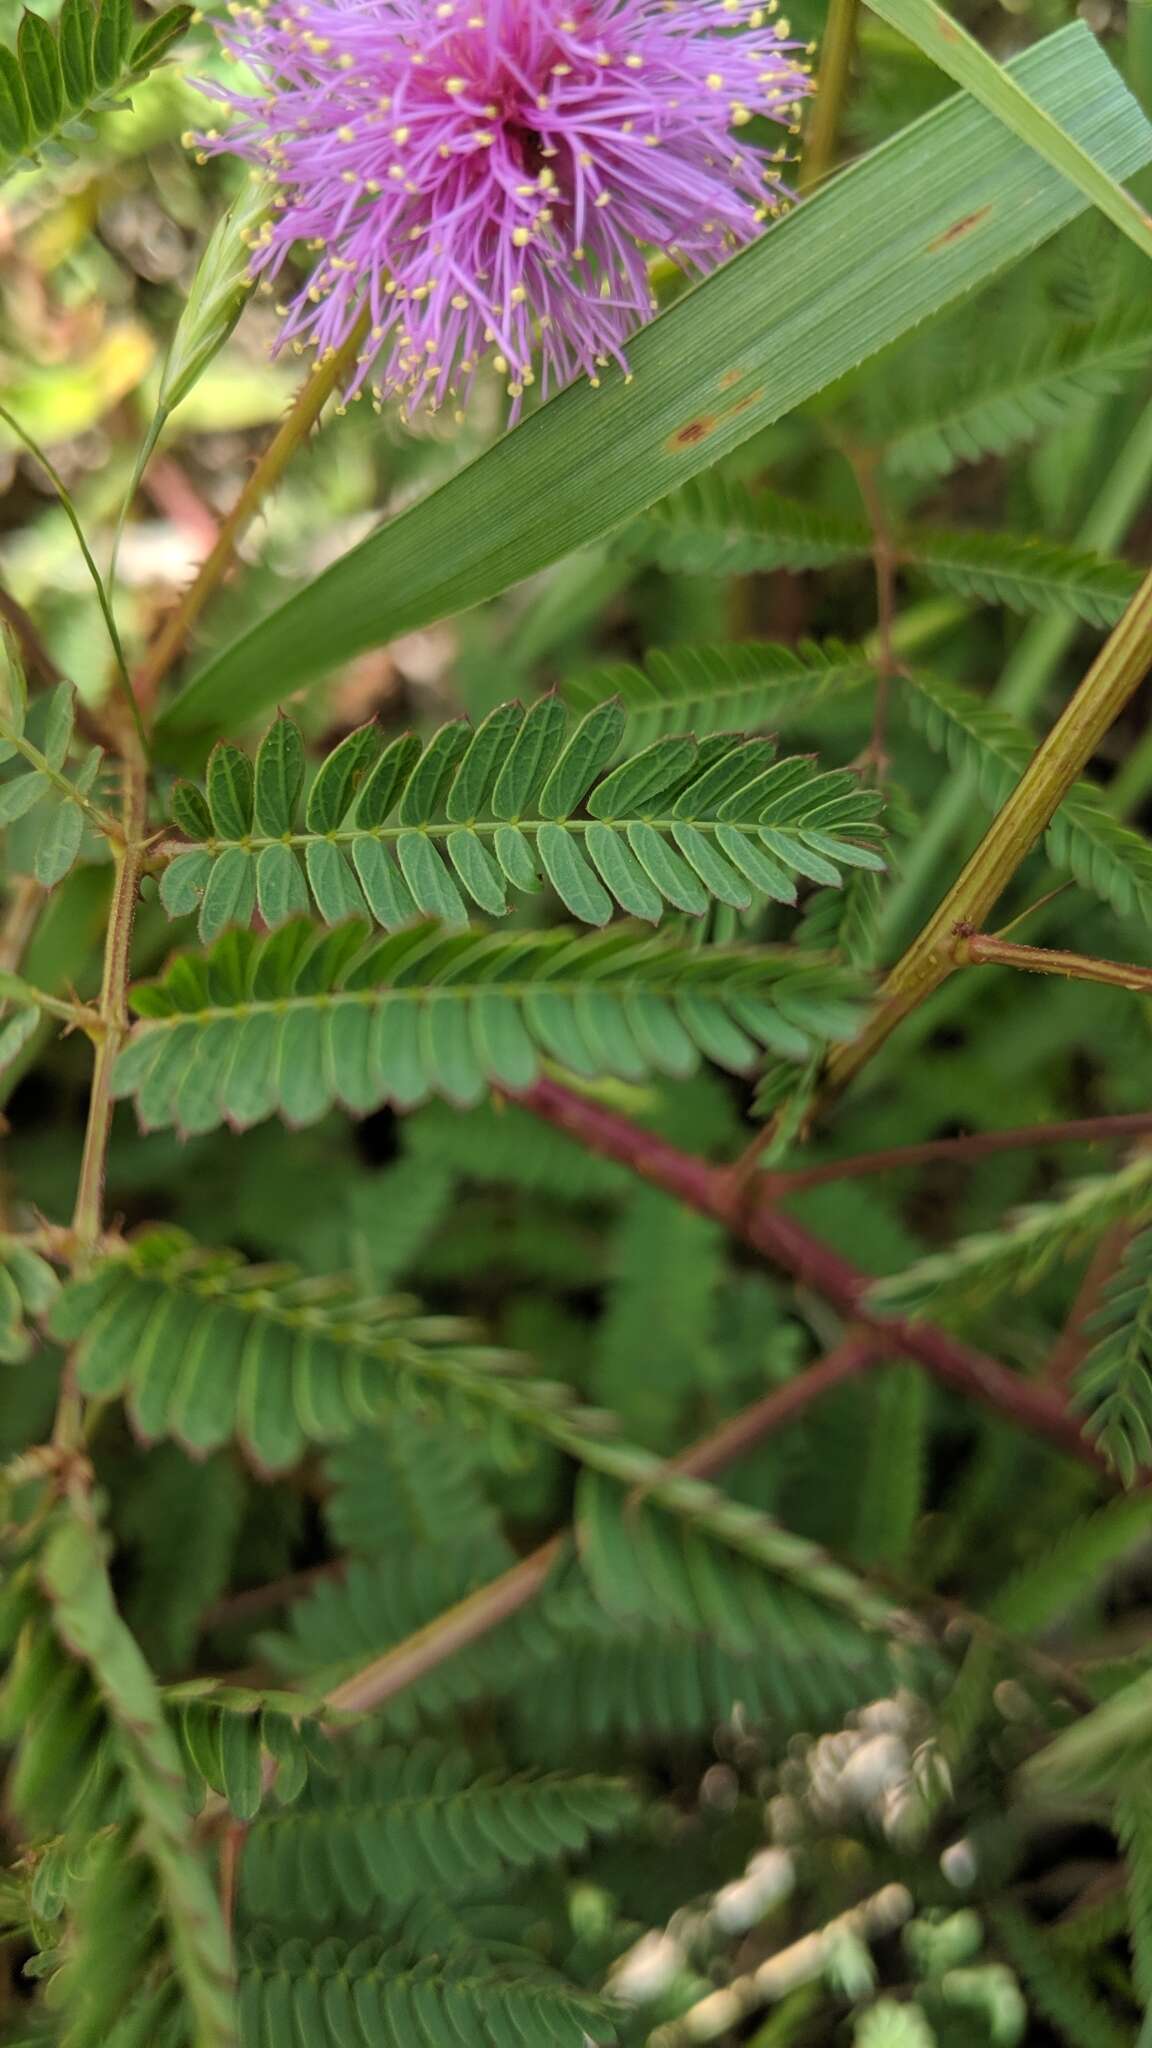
[
  {"x": 496, "y": 1602},
  {"x": 985, "y": 949},
  {"x": 288, "y": 438},
  {"x": 1111, "y": 682},
  {"x": 831, "y": 92}
]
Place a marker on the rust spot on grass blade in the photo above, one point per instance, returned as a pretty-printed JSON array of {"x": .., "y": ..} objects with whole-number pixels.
[
  {"x": 742, "y": 404},
  {"x": 693, "y": 431},
  {"x": 730, "y": 378},
  {"x": 961, "y": 227}
]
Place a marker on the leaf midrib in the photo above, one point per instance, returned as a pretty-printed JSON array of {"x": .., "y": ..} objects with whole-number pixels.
[
  {"x": 341, "y": 835},
  {"x": 461, "y": 991}
]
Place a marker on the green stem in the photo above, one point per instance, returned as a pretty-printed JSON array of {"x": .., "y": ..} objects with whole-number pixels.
[
  {"x": 1111, "y": 682},
  {"x": 123, "y": 680},
  {"x": 87, "y": 1221},
  {"x": 831, "y": 92},
  {"x": 290, "y": 436},
  {"x": 1026, "y": 676}
]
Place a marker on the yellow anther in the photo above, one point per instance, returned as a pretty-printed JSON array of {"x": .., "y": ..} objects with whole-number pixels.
[
  {"x": 637, "y": 63},
  {"x": 602, "y": 199},
  {"x": 561, "y": 70},
  {"x": 546, "y": 179},
  {"x": 500, "y": 363},
  {"x": 714, "y": 81},
  {"x": 516, "y": 296},
  {"x": 401, "y": 134},
  {"x": 459, "y": 301},
  {"x": 455, "y": 85},
  {"x": 520, "y": 238},
  {"x": 346, "y": 134}
]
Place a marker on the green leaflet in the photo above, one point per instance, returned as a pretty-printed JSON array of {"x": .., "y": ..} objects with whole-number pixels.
[
  {"x": 500, "y": 802},
  {"x": 795, "y": 315},
  {"x": 716, "y": 528},
  {"x": 51, "y": 81},
  {"x": 365, "y": 1993},
  {"x": 732, "y": 688},
  {"x": 1015, "y": 1257},
  {"x": 1083, "y": 839},
  {"x": 314, "y": 1018},
  {"x": 205, "y": 1348},
  {"x": 105, "y": 1694},
  {"x": 414, "y": 1821}
]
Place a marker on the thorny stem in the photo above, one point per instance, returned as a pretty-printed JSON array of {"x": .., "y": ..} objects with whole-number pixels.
[
  {"x": 831, "y": 92},
  {"x": 985, "y": 949},
  {"x": 496, "y": 1602},
  {"x": 1113, "y": 679},
  {"x": 310, "y": 400}
]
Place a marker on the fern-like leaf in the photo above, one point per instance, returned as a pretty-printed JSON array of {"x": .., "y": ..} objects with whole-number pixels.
[
  {"x": 94, "y": 1748},
  {"x": 707, "y": 690},
  {"x": 1060, "y": 1986},
  {"x": 395, "y": 831},
  {"x": 1005, "y": 401},
  {"x": 228, "y": 1732},
  {"x": 51, "y": 82},
  {"x": 717, "y": 528},
  {"x": 205, "y": 1348},
  {"x": 1083, "y": 840},
  {"x": 979, "y": 1267},
  {"x": 417, "y": 1821},
  {"x": 408, "y": 1485},
  {"x": 338, "y": 1993},
  {"x": 295, "y": 1021},
  {"x": 1114, "y": 1383}
]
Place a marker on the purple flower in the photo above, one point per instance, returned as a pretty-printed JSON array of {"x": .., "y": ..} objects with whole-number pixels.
[{"x": 486, "y": 177}]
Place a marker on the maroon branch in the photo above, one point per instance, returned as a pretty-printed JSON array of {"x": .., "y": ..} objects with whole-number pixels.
[{"x": 715, "y": 1191}]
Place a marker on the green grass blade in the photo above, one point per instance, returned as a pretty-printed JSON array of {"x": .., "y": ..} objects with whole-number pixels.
[
  {"x": 950, "y": 202},
  {"x": 960, "y": 55}
]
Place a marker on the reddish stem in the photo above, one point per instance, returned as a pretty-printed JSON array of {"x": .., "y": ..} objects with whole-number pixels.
[
  {"x": 786, "y": 1243},
  {"x": 1087, "y": 1130}
]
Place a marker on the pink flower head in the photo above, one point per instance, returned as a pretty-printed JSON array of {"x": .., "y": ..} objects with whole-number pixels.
[{"x": 485, "y": 177}]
